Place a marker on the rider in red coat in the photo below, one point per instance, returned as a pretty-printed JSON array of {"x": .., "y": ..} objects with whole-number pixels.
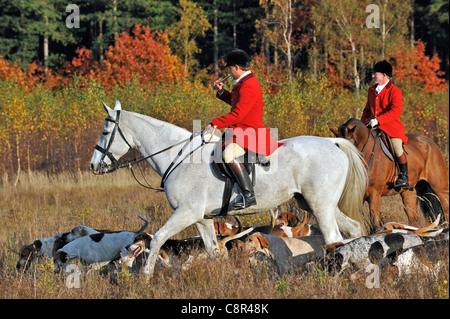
[
  {"x": 245, "y": 117},
  {"x": 383, "y": 109},
  {"x": 244, "y": 122}
]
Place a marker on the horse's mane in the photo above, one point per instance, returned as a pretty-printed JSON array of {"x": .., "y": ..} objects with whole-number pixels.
[{"x": 155, "y": 121}]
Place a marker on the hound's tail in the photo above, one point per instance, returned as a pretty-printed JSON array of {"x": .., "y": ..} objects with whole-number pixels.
[
  {"x": 236, "y": 236},
  {"x": 144, "y": 226},
  {"x": 352, "y": 197}
]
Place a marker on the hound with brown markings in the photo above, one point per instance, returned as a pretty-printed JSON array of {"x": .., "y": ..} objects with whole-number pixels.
[
  {"x": 228, "y": 229},
  {"x": 427, "y": 257},
  {"x": 284, "y": 253},
  {"x": 287, "y": 219},
  {"x": 361, "y": 252},
  {"x": 179, "y": 247},
  {"x": 427, "y": 231}
]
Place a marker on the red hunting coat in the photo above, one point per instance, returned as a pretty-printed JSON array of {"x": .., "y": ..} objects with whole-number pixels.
[
  {"x": 387, "y": 108},
  {"x": 245, "y": 117}
]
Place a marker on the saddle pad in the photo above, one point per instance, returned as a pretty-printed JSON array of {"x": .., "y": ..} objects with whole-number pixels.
[{"x": 386, "y": 151}]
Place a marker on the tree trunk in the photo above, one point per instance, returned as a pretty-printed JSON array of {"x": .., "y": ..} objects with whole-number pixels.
[
  {"x": 383, "y": 31},
  {"x": 355, "y": 67},
  {"x": 18, "y": 160},
  {"x": 267, "y": 44},
  {"x": 314, "y": 56},
  {"x": 10, "y": 151},
  {"x": 28, "y": 158},
  {"x": 100, "y": 39},
  {"x": 115, "y": 26},
  {"x": 234, "y": 26},
  {"x": 215, "y": 39},
  {"x": 412, "y": 27},
  {"x": 77, "y": 158},
  {"x": 275, "y": 52},
  {"x": 46, "y": 47},
  {"x": 287, "y": 36}
]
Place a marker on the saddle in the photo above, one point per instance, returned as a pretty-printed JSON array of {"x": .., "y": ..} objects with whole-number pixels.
[
  {"x": 386, "y": 145},
  {"x": 223, "y": 172},
  {"x": 388, "y": 150}
]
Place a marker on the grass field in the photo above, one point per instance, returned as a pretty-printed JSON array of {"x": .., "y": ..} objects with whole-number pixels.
[{"x": 44, "y": 205}]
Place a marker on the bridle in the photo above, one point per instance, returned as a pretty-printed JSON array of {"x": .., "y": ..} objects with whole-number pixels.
[
  {"x": 115, "y": 164},
  {"x": 105, "y": 151}
]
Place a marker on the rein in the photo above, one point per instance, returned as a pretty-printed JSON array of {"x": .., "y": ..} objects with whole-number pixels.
[{"x": 116, "y": 165}]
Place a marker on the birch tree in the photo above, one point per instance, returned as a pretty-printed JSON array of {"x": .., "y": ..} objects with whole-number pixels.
[
  {"x": 277, "y": 28},
  {"x": 183, "y": 34}
]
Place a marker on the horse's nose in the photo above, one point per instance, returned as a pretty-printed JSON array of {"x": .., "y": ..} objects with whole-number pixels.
[{"x": 93, "y": 170}]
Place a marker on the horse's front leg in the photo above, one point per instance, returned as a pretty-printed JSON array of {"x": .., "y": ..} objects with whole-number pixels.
[
  {"x": 206, "y": 229},
  {"x": 374, "y": 201},
  {"x": 180, "y": 219}
]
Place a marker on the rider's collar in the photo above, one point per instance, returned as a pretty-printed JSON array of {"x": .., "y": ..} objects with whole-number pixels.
[{"x": 242, "y": 76}]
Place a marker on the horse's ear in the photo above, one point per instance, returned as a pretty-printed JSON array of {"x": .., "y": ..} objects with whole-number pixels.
[
  {"x": 117, "y": 106},
  {"x": 107, "y": 108},
  {"x": 333, "y": 130},
  {"x": 351, "y": 130}
]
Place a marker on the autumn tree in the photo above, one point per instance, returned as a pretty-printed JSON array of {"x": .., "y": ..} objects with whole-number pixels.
[
  {"x": 393, "y": 24},
  {"x": 277, "y": 28},
  {"x": 413, "y": 67},
  {"x": 183, "y": 34},
  {"x": 11, "y": 72},
  {"x": 145, "y": 54},
  {"x": 82, "y": 64},
  {"x": 17, "y": 123}
]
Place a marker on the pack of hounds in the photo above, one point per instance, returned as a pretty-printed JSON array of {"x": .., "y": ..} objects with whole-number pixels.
[{"x": 287, "y": 244}]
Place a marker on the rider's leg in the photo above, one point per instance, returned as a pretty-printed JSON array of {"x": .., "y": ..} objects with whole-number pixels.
[
  {"x": 231, "y": 152},
  {"x": 402, "y": 180}
]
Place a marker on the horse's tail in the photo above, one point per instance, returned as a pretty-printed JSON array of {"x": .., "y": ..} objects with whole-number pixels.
[
  {"x": 429, "y": 202},
  {"x": 352, "y": 197}
]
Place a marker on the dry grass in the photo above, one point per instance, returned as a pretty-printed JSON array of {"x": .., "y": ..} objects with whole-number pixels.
[{"x": 42, "y": 206}]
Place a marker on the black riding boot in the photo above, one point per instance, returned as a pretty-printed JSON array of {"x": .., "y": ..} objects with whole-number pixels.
[
  {"x": 402, "y": 179},
  {"x": 247, "y": 197}
]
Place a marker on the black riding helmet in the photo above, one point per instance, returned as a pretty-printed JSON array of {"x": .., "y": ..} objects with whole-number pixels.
[
  {"x": 383, "y": 67},
  {"x": 238, "y": 57}
]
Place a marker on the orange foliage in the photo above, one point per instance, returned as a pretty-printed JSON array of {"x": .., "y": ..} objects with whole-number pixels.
[
  {"x": 412, "y": 67},
  {"x": 83, "y": 64},
  {"x": 272, "y": 76},
  {"x": 35, "y": 74},
  {"x": 11, "y": 71},
  {"x": 146, "y": 54}
]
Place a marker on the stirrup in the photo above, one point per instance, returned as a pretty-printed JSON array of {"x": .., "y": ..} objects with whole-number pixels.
[
  {"x": 400, "y": 182},
  {"x": 246, "y": 202}
]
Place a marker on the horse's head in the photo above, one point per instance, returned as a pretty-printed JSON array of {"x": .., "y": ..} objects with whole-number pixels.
[
  {"x": 353, "y": 129},
  {"x": 112, "y": 144}
]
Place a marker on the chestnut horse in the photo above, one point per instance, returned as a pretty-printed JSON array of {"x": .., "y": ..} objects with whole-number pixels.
[{"x": 427, "y": 172}]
